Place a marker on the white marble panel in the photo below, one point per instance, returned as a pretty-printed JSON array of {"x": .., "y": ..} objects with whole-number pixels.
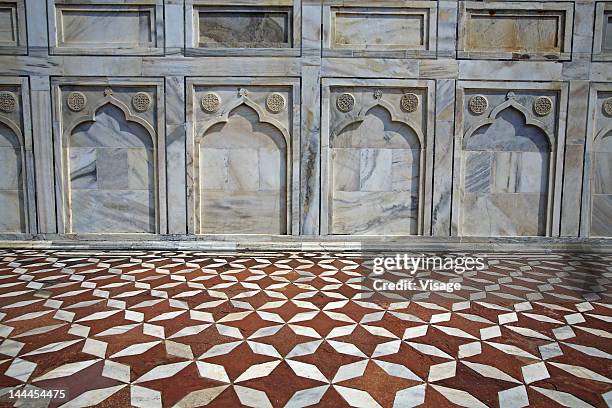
[
  {"x": 213, "y": 169},
  {"x": 113, "y": 211},
  {"x": 8, "y": 24},
  {"x": 520, "y": 172},
  {"x": 240, "y": 212},
  {"x": 374, "y": 213},
  {"x": 504, "y": 214},
  {"x": 375, "y": 169},
  {"x": 601, "y": 216},
  {"x": 12, "y": 217},
  {"x": 379, "y": 28},
  {"x": 405, "y": 169},
  {"x": 83, "y": 170},
  {"x": 243, "y": 170},
  {"x": 346, "y": 168}
]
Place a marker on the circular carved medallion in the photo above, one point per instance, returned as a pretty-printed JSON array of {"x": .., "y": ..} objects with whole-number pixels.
[
  {"x": 76, "y": 101},
  {"x": 210, "y": 102},
  {"x": 275, "y": 102},
  {"x": 478, "y": 104},
  {"x": 8, "y": 102},
  {"x": 607, "y": 106},
  {"x": 141, "y": 101},
  {"x": 542, "y": 105},
  {"x": 345, "y": 102},
  {"x": 409, "y": 102}
]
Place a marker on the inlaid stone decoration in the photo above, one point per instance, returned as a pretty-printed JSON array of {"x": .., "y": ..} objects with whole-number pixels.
[
  {"x": 607, "y": 106},
  {"x": 515, "y": 30},
  {"x": 345, "y": 102},
  {"x": 76, "y": 101},
  {"x": 374, "y": 169},
  {"x": 243, "y": 159},
  {"x": 409, "y": 102},
  {"x": 542, "y": 105},
  {"x": 211, "y": 102},
  {"x": 379, "y": 29},
  {"x": 141, "y": 101},
  {"x": 478, "y": 104},
  {"x": 506, "y": 161},
  {"x": 87, "y": 27},
  {"x": 275, "y": 102},
  {"x": 110, "y": 157},
  {"x": 597, "y": 192},
  {"x": 8, "y": 102},
  {"x": 17, "y": 211}
]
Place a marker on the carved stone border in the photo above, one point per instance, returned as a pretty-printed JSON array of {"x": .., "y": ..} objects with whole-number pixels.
[
  {"x": 192, "y": 28},
  {"x": 564, "y": 7},
  {"x": 426, "y": 129},
  {"x": 62, "y": 131},
  {"x": 19, "y": 122},
  {"x": 428, "y": 8},
  {"x": 557, "y": 150},
  {"x": 292, "y": 135},
  {"x": 595, "y": 130},
  {"x": 20, "y": 45},
  {"x": 599, "y": 54},
  {"x": 55, "y": 32}
]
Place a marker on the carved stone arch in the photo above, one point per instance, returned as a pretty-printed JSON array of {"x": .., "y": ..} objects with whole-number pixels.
[
  {"x": 90, "y": 116},
  {"x": 261, "y": 113},
  {"x": 13, "y": 191},
  {"x": 362, "y": 114},
  {"x": 110, "y": 160},
  {"x": 507, "y": 181},
  {"x": 600, "y": 184},
  {"x": 242, "y": 173},
  {"x": 376, "y": 179},
  {"x": 529, "y": 120},
  {"x": 15, "y": 129},
  {"x": 603, "y": 133}
]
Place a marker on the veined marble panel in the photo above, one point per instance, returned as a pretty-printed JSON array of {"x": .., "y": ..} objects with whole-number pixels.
[
  {"x": 515, "y": 30},
  {"x": 507, "y": 159},
  {"x": 602, "y": 42},
  {"x": 102, "y": 197},
  {"x": 374, "y": 159},
  {"x": 251, "y": 28},
  {"x": 12, "y": 208},
  {"x": 17, "y": 209},
  {"x": 110, "y": 157},
  {"x": 106, "y": 29},
  {"x": 12, "y": 27},
  {"x": 403, "y": 30},
  {"x": 597, "y": 193},
  {"x": 243, "y": 159}
]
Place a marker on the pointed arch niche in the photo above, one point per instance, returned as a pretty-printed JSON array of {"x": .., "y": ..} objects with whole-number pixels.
[
  {"x": 111, "y": 155},
  {"x": 596, "y": 216},
  {"x": 507, "y": 174},
  {"x": 12, "y": 180},
  {"x": 242, "y": 174},
  {"x": 376, "y": 156}
]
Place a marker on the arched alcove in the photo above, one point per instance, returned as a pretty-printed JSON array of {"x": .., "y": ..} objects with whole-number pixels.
[
  {"x": 601, "y": 186},
  {"x": 12, "y": 209},
  {"x": 376, "y": 176},
  {"x": 112, "y": 175},
  {"x": 506, "y": 178},
  {"x": 242, "y": 172}
]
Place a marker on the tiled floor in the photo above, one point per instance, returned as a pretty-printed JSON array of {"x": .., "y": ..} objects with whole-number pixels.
[{"x": 292, "y": 329}]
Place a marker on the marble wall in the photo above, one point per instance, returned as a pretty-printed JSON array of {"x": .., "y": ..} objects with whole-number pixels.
[{"x": 363, "y": 119}]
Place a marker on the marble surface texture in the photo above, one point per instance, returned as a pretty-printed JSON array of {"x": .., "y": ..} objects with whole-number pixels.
[
  {"x": 111, "y": 175},
  {"x": 278, "y": 156}
]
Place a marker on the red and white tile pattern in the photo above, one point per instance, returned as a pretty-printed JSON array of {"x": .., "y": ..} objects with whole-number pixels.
[{"x": 188, "y": 329}]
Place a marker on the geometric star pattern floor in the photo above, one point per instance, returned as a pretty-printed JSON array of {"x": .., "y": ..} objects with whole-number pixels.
[{"x": 294, "y": 329}]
